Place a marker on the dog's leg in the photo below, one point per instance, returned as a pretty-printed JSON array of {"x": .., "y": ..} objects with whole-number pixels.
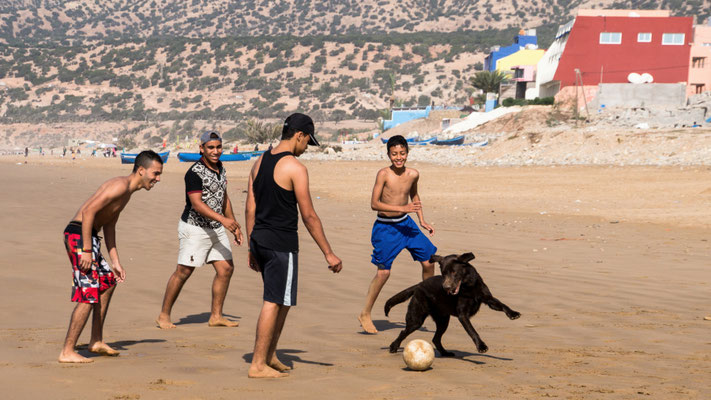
[
  {"x": 442, "y": 324},
  {"x": 413, "y": 321},
  {"x": 497, "y": 305},
  {"x": 481, "y": 347}
]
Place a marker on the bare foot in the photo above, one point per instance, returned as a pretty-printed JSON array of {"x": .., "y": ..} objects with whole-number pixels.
[
  {"x": 163, "y": 322},
  {"x": 103, "y": 349},
  {"x": 367, "y": 323},
  {"x": 222, "y": 321},
  {"x": 266, "y": 372},
  {"x": 73, "y": 357},
  {"x": 278, "y": 365},
  {"x": 707, "y": 318}
]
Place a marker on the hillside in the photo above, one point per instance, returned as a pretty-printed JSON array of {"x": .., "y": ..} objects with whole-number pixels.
[
  {"x": 110, "y": 19},
  {"x": 216, "y": 60}
]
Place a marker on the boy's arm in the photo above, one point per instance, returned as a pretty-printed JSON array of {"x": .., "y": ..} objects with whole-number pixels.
[
  {"x": 110, "y": 237},
  {"x": 378, "y": 205},
  {"x": 300, "y": 180},
  {"x": 416, "y": 199},
  {"x": 112, "y": 192},
  {"x": 229, "y": 213},
  {"x": 250, "y": 209}
]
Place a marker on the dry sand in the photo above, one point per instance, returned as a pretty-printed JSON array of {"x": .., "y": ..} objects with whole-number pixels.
[{"x": 608, "y": 265}]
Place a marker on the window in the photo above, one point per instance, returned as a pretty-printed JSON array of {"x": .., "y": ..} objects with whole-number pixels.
[
  {"x": 698, "y": 88},
  {"x": 644, "y": 37},
  {"x": 676, "y": 39},
  {"x": 698, "y": 62},
  {"x": 610, "y": 37}
]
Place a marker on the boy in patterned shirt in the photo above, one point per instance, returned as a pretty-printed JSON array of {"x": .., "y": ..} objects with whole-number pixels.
[{"x": 201, "y": 231}]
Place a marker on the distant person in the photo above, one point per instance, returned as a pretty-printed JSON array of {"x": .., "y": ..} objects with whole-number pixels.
[
  {"x": 27, "y": 151},
  {"x": 393, "y": 229},
  {"x": 74, "y": 157},
  {"x": 64, "y": 151},
  {"x": 78, "y": 151},
  {"x": 94, "y": 280},
  {"x": 270, "y": 146},
  {"x": 278, "y": 183},
  {"x": 256, "y": 147},
  {"x": 93, "y": 152},
  {"x": 235, "y": 150},
  {"x": 41, "y": 151},
  {"x": 201, "y": 232}
]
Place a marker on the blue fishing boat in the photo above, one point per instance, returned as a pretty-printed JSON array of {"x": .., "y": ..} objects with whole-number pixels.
[
  {"x": 459, "y": 140},
  {"x": 424, "y": 142},
  {"x": 130, "y": 158},
  {"x": 192, "y": 157},
  {"x": 409, "y": 140}
]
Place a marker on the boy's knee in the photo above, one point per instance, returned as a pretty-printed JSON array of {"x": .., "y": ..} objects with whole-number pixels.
[
  {"x": 183, "y": 272},
  {"x": 383, "y": 274}
]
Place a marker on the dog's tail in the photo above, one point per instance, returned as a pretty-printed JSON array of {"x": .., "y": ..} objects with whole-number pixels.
[{"x": 399, "y": 298}]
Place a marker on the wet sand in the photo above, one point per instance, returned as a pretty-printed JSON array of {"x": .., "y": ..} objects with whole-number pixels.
[{"x": 609, "y": 267}]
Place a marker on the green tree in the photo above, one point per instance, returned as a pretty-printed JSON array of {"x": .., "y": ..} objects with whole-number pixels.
[
  {"x": 261, "y": 132},
  {"x": 488, "y": 81}
]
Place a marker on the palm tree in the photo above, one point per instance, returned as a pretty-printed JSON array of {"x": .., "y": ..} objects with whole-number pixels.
[
  {"x": 261, "y": 132},
  {"x": 489, "y": 81}
]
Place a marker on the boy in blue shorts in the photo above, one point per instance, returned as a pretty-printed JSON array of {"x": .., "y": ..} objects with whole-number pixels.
[{"x": 393, "y": 229}]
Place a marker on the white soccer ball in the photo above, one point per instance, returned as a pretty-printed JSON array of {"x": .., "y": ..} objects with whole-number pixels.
[{"x": 418, "y": 355}]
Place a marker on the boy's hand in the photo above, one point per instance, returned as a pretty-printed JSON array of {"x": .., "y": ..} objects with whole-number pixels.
[
  {"x": 334, "y": 263},
  {"x": 119, "y": 272},
  {"x": 427, "y": 227},
  {"x": 252, "y": 262},
  {"x": 415, "y": 206},
  {"x": 238, "y": 237}
]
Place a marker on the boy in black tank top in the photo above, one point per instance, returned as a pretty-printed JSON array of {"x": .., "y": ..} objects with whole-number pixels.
[{"x": 277, "y": 184}]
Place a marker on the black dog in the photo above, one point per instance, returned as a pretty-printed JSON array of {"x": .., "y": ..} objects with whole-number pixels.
[{"x": 459, "y": 291}]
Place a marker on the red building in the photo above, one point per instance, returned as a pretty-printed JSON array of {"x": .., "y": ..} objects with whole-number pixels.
[{"x": 607, "y": 45}]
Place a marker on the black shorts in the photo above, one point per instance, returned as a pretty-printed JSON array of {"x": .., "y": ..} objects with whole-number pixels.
[{"x": 280, "y": 273}]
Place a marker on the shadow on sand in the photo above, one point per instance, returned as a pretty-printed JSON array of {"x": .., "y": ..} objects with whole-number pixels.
[
  {"x": 288, "y": 357},
  {"x": 201, "y": 318}
]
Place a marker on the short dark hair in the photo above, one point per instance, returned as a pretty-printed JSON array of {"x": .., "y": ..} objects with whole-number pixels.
[
  {"x": 145, "y": 159},
  {"x": 397, "y": 140},
  {"x": 288, "y": 133}
]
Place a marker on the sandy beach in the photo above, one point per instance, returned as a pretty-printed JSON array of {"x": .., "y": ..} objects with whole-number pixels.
[{"x": 609, "y": 267}]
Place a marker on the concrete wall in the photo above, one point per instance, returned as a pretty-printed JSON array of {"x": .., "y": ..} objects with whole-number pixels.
[
  {"x": 401, "y": 116},
  {"x": 641, "y": 95}
]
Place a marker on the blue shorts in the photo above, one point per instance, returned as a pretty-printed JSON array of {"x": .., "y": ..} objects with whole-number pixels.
[{"x": 391, "y": 235}]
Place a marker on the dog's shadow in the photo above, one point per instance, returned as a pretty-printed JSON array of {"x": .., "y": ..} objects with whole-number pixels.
[
  {"x": 459, "y": 355},
  {"x": 201, "y": 318},
  {"x": 288, "y": 357}
]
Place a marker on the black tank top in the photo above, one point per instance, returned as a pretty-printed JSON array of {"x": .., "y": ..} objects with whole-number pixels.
[{"x": 276, "y": 219}]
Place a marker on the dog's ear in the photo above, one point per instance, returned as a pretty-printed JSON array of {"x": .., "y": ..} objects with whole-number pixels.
[
  {"x": 466, "y": 257},
  {"x": 435, "y": 258}
]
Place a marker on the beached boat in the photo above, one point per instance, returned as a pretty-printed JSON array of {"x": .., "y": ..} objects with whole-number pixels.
[
  {"x": 192, "y": 157},
  {"x": 424, "y": 142},
  {"x": 450, "y": 142},
  {"x": 409, "y": 140},
  {"x": 130, "y": 158}
]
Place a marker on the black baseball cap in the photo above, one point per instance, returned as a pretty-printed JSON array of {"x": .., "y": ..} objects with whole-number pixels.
[{"x": 301, "y": 123}]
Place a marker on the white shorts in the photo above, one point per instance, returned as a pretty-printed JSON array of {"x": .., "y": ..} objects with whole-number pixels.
[{"x": 199, "y": 246}]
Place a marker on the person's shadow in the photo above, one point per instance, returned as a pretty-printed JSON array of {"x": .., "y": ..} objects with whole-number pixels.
[
  {"x": 386, "y": 325},
  {"x": 121, "y": 345},
  {"x": 288, "y": 357},
  {"x": 201, "y": 318}
]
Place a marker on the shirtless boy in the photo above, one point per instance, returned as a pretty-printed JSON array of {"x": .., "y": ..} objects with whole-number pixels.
[
  {"x": 94, "y": 279},
  {"x": 393, "y": 229}
]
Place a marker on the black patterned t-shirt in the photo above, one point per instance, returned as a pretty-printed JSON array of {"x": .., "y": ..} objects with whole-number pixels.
[{"x": 213, "y": 185}]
